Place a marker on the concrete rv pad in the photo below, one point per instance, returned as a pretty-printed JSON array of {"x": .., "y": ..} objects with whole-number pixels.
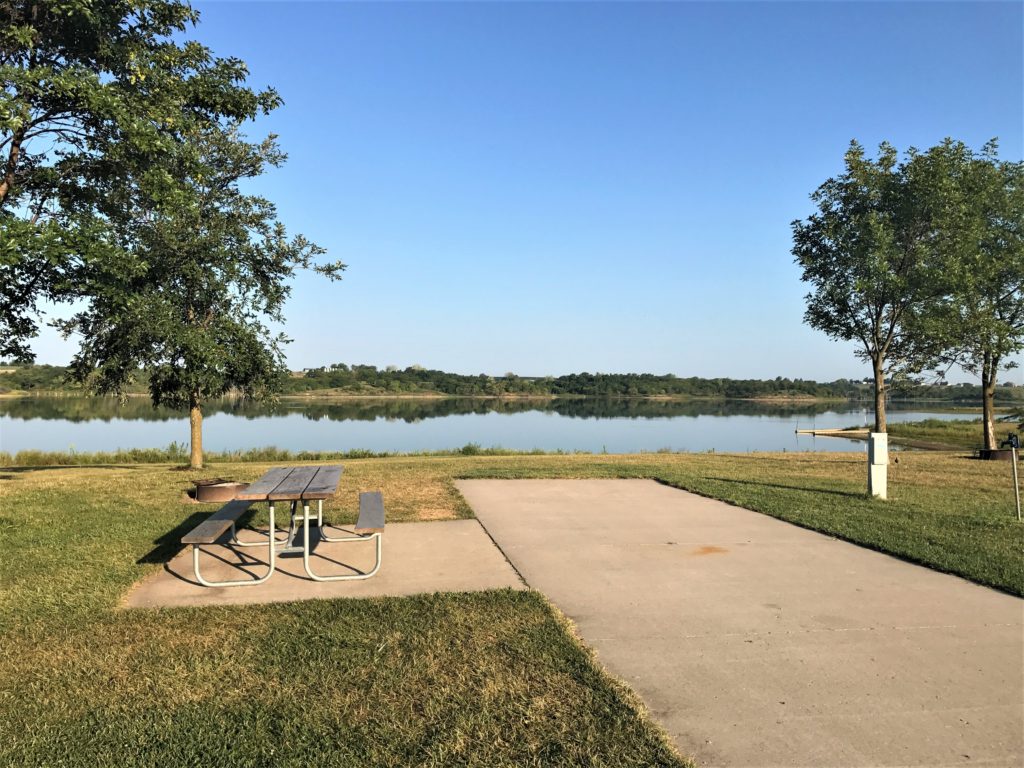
[
  {"x": 758, "y": 643},
  {"x": 444, "y": 556}
]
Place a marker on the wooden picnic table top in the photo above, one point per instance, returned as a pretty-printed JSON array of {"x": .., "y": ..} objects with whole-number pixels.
[{"x": 294, "y": 484}]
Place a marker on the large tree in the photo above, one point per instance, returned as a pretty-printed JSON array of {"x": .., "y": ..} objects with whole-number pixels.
[
  {"x": 200, "y": 270},
  {"x": 976, "y": 205},
  {"x": 993, "y": 301},
  {"x": 90, "y": 90},
  {"x": 867, "y": 256}
]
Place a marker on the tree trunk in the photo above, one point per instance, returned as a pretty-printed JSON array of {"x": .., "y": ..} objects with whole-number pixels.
[
  {"x": 989, "y": 370},
  {"x": 879, "y": 397},
  {"x": 11, "y": 166},
  {"x": 195, "y": 417}
]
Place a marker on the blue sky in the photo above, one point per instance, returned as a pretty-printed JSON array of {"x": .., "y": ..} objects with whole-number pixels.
[{"x": 557, "y": 187}]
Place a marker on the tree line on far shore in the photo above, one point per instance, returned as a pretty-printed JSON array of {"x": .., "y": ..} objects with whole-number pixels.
[
  {"x": 342, "y": 378},
  {"x": 416, "y": 379}
]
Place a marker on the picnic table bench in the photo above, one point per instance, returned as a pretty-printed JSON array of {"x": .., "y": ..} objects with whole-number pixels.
[{"x": 295, "y": 485}]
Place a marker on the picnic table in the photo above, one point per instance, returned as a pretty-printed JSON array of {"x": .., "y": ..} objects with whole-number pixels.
[{"x": 294, "y": 485}]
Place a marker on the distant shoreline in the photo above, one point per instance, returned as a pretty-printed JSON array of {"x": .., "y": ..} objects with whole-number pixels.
[{"x": 939, "y": 405}]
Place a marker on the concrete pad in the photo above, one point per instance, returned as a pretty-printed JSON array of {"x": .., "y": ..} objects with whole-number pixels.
[
  {"x": 451, "y": 555},
  {"x": 758, "y": 643}
]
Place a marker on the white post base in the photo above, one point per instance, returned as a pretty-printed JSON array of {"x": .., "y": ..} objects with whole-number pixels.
[{"x": 878, "y": 464}]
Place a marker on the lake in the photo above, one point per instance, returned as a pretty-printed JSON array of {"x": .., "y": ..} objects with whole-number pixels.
[{"x": 615, "y": 426}]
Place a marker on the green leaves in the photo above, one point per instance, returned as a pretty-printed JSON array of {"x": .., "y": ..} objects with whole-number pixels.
[
  {"x": 93, "y": 93},
  {"x": 919, "y": 261},
  {"x": 121, "y": 154},
  {"x": 200, "y": 271}
]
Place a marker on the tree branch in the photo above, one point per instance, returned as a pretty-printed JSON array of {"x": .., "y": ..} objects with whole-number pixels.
[{"x": 11, "y": 166}]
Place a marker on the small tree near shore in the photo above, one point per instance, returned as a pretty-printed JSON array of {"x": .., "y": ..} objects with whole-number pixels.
[
  {"x": 201, "y": 271},
  {"x": 865, "y": 254}
]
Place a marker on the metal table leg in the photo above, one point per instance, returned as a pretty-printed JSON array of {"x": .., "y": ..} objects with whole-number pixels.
[
  {"x": 357, "y": 537},
  {"x": 235, "y": 542},
  {"x": 238, "y": 582}
]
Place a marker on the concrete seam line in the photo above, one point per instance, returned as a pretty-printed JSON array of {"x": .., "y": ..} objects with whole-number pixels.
[
  {"x": 483, "y": 527},
  {"x": 498, "y": 547}
]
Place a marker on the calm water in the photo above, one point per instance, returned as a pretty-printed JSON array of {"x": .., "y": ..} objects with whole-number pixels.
[{"x": 617, "y": 426}]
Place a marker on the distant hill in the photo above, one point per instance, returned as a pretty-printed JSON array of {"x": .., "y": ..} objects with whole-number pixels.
[{"x": 37, "y": 379}]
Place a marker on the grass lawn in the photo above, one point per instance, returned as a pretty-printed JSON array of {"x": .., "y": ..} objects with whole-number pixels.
[
  {"x": 957, "y": 433},
  {"x": 490, "y": 679}
]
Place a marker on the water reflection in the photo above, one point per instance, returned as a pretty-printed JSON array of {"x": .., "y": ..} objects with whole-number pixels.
[
  {"x": 410, "y": 410},
  {"x": 615, "y": 425}
]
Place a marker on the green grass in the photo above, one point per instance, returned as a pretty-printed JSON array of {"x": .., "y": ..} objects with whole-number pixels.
[
  {"x": 482, "y": 679},
  {"x": 178, "y": 453},
  {"x": 490, "y": 679},
  {"x": 956, "y": 433}
]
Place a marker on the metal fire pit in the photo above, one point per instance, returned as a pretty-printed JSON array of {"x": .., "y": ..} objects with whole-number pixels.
[
  {"x": 218, "y": 489},
  {"x": 995, "y": 454},
  {"x": 1004, "y": 452}
]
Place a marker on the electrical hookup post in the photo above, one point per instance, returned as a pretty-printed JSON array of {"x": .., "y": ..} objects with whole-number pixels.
[
  {"x": 1016, "y": 486},
  {"x": 878, "y": 464},
  {"x": 1014, "y": 442}
]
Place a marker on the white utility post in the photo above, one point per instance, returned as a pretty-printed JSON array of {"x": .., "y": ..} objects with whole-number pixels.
[{"x": 878, "y": 464}]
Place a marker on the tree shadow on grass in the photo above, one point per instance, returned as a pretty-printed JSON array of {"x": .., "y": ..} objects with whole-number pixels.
[
  {"x": 790, "y": 457},
  {"x": 780, "y": 486}
]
